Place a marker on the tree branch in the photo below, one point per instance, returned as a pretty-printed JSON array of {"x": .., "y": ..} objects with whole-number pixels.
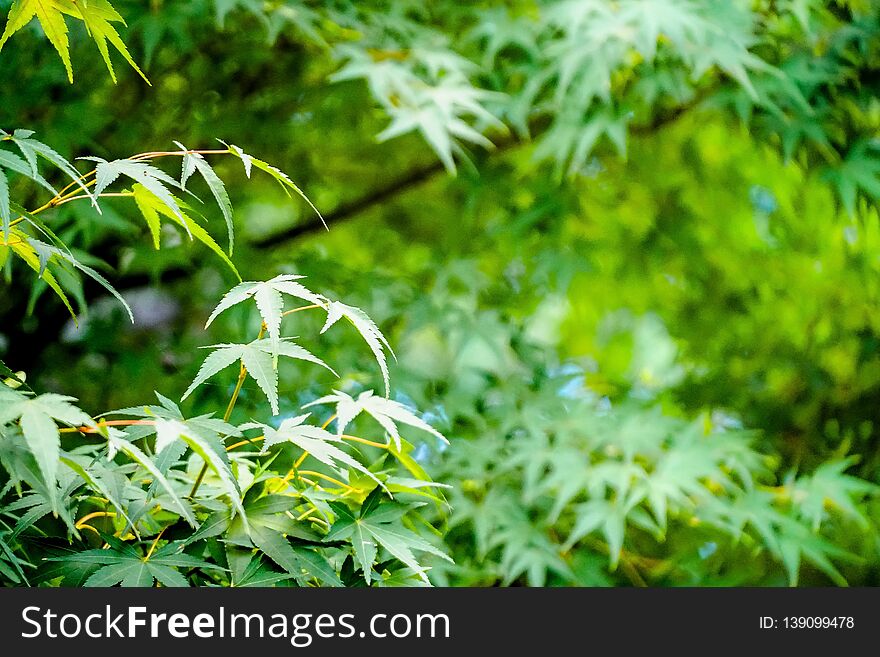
[
  {"x": 426, "y": 173},
  {"x": 357, "y": 206},
  {"x": 47, "y": 331}
]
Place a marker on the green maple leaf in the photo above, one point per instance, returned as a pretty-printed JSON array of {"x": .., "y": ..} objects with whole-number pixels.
[
  {"x": 34, "y": 150},
  {"x": 368, "y": 330},
  {"x": 38, "y": 254},
  {"x": 257, "y": 359},
  {"x": 123, "y": 565},
  {"x": 498, "y": 31},
  {"x": 527, "y": 550},
  {"x": 117, "y": 443},
  {"x": 154, "y": 180},
  {"x": 22, "y": 246},
  {"x": 37, "y": 417},
  {"x": 96, "y": 15},
  {"x": 153, "y": 208},
  {"x": 11, "y": 567},
  {"x": 250, "y": 162},
  {"x": 208, "y": 445},
  {"x": 386, "y": 412},
  {"x": 319, "y": 443},
  {"x": 859, "y": 173},
  {"x": 37, "y": 507},
  {"x": 270, "y": 529},
  {"x": 258, "y": 574},
  {"x": 267, "y": 296},
  {"x": 203, "y": 434},
  {"x": 5, "y": 210},
  {"x": 829, "y": 486},
  {"x": 100, "y": 479},
  {"x": 377, "y": 525},
  {"x": 193, "y": 162},
  {"x": 48, "y": 13},
  {"x": 786, "y": 538}
]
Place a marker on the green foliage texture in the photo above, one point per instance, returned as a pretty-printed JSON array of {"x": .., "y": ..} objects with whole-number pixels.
[{"x": 397, "y": 293}]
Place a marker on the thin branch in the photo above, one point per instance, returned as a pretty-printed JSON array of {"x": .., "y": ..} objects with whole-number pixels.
[
  {"x": 353, "y": 208},
  {"x": 426, "y": 173},
  {"x": 65, "y": 195},
  {"x": 154, "y": 154},
  {"x": 83, "y": 196}
]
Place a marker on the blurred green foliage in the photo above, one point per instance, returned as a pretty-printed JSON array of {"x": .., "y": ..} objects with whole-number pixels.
[{"x": 647, "y": 318}]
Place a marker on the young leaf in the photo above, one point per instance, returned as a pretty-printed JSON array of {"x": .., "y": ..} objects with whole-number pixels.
[
  {"x": 118, "y": 443},
  {"x": 267, "y": 296},
  {"x": 154, "y": 180},
  {"x": 98, "y": 16},
  {"x": 261, "y": 367},
  {"x": 195, "y": 161},
  {"x": 368, "y": 330},
  {"x": 214, "y": 456},
  {"x": 14, "y": 163},
  {"x": 385, "y": 411},
  {"x": 37, "y": 418},
  {"x": 282, "y": 178},
  {"x": 143, "y": 198},
  {"x": 256, "y": 357},
  {"x": 152, "y": 206},
  {"x": 31, "y": 149},
  {"x": 51, "y": 20},
  {"x": 314, "y": 440},
  {"x": 246, "y": 159},
  {"x": 65, "y": 257},
  {"x": 21, "y": 246}
]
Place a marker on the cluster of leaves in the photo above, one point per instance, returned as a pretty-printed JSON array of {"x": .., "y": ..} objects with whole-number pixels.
[
  {"x": 239, "y": 520},
  {"x": 54, "y": 262},
  {"x": 669, "y": 501},
  {"x": 553, "y": 483},
  {"x": 97, "y": 16},
  {"x": 787, "y": 342},
  {"x": 174, "y": 500},
  {"x": 681, "y": 296},
  {"x": 578, "y": 76}
]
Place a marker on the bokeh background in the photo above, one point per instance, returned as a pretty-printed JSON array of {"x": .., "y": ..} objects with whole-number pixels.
[{"x": 670, "y": 234}]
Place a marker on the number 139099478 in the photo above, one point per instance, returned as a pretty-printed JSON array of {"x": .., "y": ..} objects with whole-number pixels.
[{"x": 807, "y": 623}]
